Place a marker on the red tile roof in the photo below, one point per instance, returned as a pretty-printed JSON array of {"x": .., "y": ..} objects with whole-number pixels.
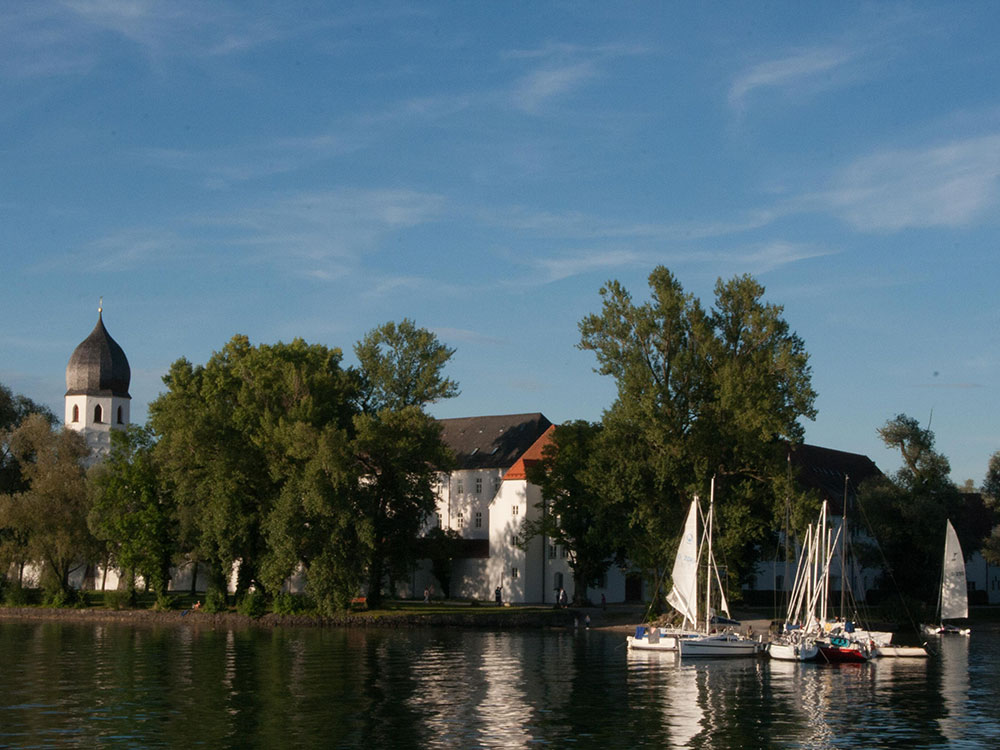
[{"x": 532, "y": 455}]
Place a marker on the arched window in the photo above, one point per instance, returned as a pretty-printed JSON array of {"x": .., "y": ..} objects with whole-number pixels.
[
  {"x": 76, "y": 413},
  {"x": 120, "y": 420},
  {"x": 98, "y": 414}
]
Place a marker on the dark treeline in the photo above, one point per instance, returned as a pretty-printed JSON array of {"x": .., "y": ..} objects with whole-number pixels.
[{"x": 275, "y": 459}]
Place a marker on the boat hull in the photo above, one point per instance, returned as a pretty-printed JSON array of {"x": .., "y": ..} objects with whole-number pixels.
[
  {"x": 665, "y": 640},
  {"x": 842, "y": 654},
  {"x": 903, "y": 652},
  {"x": 792, "y": 651},
  {"x": 717, "y": 646}
]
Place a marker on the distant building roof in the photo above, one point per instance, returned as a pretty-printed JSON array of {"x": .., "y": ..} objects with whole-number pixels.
[
  {"x": 533, "y": 455},
  {"x": 824, "y": 469},
  {"x": 493, "y": 442},
  {"x": 98, "y": 366}
]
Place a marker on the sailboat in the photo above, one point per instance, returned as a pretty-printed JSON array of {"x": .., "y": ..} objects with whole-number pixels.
[
  {"x": 682, "y": 597},
  {"x": 953, "y": 598},
  {"x": 807, "y": 604},
  {"x": 718, "y": 644}
]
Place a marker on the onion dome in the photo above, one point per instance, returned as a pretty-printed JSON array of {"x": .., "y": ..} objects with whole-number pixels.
[{"x": 98, "y": 366}]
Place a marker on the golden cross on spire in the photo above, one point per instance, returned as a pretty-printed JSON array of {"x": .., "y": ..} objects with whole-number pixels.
[{"x": 100, "y": 305}]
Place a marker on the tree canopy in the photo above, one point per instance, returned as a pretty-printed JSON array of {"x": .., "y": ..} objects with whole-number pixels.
[
  {"x": 700, "y": 394},
  {"x": 279, "y": 457},
  {"x": 47, "y": 519},
  {"x": 907, "y": 511}
]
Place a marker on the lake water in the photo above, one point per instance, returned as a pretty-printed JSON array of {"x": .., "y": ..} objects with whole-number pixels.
[{"x": 66, "y": 685}]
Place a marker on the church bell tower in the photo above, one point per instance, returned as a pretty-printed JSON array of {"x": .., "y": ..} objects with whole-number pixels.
[{"x": 97, "y": 382}]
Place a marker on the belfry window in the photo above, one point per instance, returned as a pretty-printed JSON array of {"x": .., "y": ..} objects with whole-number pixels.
[
  {"x": 76, "y": 413},
  {"x": 120, "y": 420},
  {"x": 98, "y": 414}
]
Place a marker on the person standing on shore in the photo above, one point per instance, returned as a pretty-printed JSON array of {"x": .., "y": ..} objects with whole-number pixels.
[{"x": 498, "y": 595}]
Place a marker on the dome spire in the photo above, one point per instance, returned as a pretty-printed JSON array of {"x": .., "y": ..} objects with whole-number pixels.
[{"x": 98, "y": 365}]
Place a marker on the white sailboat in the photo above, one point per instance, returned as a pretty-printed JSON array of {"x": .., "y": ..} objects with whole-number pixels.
[
  {"x": 709, "y": 644},
  {"x": 807, "y": 604},
  {"x": 682, "y": 597},
  {"x": 953, "y": 598}
]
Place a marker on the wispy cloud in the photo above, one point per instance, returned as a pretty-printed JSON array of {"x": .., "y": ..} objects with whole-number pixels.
[
  {"x": 564, "y": 266},
  {"x": 949, "y": 185},
  {"x": 560, "y": 70},
  {"x": 123, "y": 250},
  {"x": 538, "y": 87},
  {"x": 805, "y": 69},
  {"x": 323, "y": 234},
  {"x": 769, "y": 256}
]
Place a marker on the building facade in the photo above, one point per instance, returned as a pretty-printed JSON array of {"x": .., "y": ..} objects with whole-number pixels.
[{"x": 488, "y": 499}]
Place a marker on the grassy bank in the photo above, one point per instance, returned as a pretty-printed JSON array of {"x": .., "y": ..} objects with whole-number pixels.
[{"x": 185, "y": 609}]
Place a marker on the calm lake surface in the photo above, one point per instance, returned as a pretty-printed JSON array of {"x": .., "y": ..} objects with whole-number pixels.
[{"x": 67, "y": 685}]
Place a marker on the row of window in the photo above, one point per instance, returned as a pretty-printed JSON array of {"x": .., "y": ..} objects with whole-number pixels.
[
  {"x": 460, "y": 485},
  {"x": 460, "y": 519},
  {"x": 98, "y": 414}
]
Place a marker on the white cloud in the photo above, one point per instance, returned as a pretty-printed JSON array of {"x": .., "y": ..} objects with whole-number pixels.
[
  {"x": 951, "y": 185},
  {"x": 540, "y": 86},
  {"x": 567, "y": 265},
  {"x": 809, "y": 67},
  {"x": 772, "y": 255}
]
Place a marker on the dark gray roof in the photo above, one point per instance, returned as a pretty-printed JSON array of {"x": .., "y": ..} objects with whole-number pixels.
[
  {"x": 98, "y": 366},
  {"x": 492, "y": 442},
  {"x": 824, "y": 469}
]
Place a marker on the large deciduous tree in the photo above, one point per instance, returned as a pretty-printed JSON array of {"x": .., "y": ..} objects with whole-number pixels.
[
  {"x": 48, "y": 517},
  {"x": 700, "y": 394},
  {"x": 907, "y": 511},
  {"x": 397, "y": 447},
  {"x": 223, "y": 442}
]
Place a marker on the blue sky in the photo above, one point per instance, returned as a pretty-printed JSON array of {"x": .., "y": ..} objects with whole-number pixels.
[{"x": 317, "y": 169}]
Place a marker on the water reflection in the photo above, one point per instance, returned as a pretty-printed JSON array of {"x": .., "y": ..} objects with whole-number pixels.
[
  {"x": 954, "y": 686},
  {"x": 117, "y": 686}
]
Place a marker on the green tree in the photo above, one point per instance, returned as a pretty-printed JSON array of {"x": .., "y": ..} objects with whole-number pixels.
[
  {"x": 49, "y": 516},
  {"x": 224, "y": 448},
  {"x": 14, "y": 409},
  {"x": 700, "y": 394},
  {"x": 397, "y": 446},
  {"x": 907, "y": 512},
  {"x": 131, "y": 509},
  {"x": 573, "y": 512},
  {"x": 991, "y": 492}
]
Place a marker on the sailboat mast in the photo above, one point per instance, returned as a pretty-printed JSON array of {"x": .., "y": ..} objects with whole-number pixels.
[
  {"x": 843, "y": 552},
  {"x": 708, "y": 572}
]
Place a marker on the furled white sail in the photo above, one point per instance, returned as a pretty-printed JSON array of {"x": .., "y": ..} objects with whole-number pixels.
[
  {"x": 684, "y": 595},
  {"x": 954, "y": 595}
]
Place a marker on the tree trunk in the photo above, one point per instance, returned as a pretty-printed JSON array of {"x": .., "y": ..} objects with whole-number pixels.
[
  {"x": 375, "y": 571},
  {"x": 579, "y": 590}
]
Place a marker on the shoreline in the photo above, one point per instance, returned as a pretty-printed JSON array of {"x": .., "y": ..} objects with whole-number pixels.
[{"x": 507, "y": 619}]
